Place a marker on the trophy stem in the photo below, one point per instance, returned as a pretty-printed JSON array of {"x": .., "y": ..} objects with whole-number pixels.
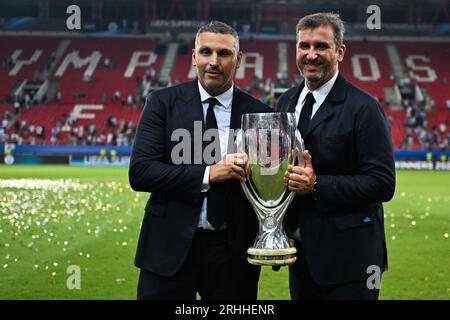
[{"x": 271, "y": 247}]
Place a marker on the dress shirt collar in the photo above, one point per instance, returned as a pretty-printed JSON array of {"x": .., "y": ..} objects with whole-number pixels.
[
  {"x": 321, "y": 93},
  {"x": 225, "y": 98}
]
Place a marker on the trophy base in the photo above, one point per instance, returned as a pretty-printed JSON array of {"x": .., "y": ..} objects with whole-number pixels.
[{"x": 271, "y": 257}]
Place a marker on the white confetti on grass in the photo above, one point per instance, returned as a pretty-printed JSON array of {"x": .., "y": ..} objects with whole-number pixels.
[
  {"x": 45, "y": 184},
  {"x": 34, "y": 209}
]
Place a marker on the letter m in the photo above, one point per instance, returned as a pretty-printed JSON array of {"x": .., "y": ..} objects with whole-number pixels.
[{"x": 74, "y": 59}]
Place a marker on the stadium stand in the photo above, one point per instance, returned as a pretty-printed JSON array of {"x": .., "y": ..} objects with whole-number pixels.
[
  {"x": 109, "y": 77},
  {"x": 32, "y": 51},
  {"x": 109, "y": 69}
]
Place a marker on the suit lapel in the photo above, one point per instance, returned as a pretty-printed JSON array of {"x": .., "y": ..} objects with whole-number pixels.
[
  {"x": 293, "y": 99},
  {"x": 327, "y": 109},
  {"x": 189, "y": 113},
  {"x": 191, "y": 96},
  {"x": 237, "y": 109}
]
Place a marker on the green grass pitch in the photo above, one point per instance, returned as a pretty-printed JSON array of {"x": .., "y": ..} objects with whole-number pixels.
[{"x": 52, "y": 217}]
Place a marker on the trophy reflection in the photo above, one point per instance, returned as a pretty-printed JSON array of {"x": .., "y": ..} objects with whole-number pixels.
[{"x": 271, "y": 143}]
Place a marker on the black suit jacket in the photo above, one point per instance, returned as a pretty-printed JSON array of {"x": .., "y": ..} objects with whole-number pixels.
[
  {"x": 341, "y": 224},
  {"x": 173, "y": 209}
]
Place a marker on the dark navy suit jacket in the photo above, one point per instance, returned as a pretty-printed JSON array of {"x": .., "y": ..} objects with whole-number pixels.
[
  {"x": 341, "y": 224},
  {"x": 173, "y": 209}
]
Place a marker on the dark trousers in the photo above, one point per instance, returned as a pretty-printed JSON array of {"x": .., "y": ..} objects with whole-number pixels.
[
  {"x": 209, "y": 270},
  {"x": 303, "y": 287}
]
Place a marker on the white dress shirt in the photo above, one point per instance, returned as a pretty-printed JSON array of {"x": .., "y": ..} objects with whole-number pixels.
[
  {"x": 319, "y": 95},
  {"x": 222, "y": 111}
]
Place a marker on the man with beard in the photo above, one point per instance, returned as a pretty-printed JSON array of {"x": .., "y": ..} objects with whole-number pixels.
[
  {"x": 198, "y": 223},
  {"x": 336, "y": 218}
]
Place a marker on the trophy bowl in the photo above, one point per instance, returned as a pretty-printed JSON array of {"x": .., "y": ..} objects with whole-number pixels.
[{"x": 271, "y": 142}]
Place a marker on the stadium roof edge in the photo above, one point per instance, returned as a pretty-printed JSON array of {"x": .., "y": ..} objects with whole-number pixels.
[
  {"x": 79, "y": 35},
  {"x": 190, "y": 36}
]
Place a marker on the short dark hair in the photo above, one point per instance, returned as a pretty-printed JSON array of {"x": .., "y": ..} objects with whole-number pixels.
[
  {"x": 316, "y": 20},
  {"x": 219, "y": 27}
]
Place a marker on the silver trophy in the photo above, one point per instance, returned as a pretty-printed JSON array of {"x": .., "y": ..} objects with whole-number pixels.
[{"x": 271, "y": 142}]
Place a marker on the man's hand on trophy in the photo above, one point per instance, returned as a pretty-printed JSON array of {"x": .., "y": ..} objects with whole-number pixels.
[
  {"x": 301, "y": 179},
  {"x": 231, "y": 166}
]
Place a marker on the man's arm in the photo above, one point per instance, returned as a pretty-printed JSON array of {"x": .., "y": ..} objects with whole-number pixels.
[
  {"x": 375, "y": 178},
  {"x": 149, "y": 171}
]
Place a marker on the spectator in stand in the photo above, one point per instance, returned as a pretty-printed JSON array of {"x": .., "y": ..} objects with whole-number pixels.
[
  {"x": 131, "y": 126},
  {"x": 6, "y": 119},
  {"x": 268, "y": 85},
  {"x": 40, "y": 133},
  {"x": 130, "y": 100},
  {"x": 17, "y": 107},
  {"x": 435, "y": 137},
  {"x": 53, "y": 136},
  {"x": 101, "y": 139},
  {"x": 91, "y": 132},
  {"x": 107, "y": 63},
  {"x": 407, "y": 142},
  {"x": 444, "y": 145},
  {"x": 443, "y": 127},
  {"x": 116, "y": 96},
  {"x": 410, "y": 120},
  {"x": 151, "y": 75},
  {"x": 112, "y": 122},
  {"x": 120, "y": 139},
  {"x": 406, "y": 88},
  {"x": 110, "y": 138},
  {"x": 421, "y": 134},
  {"x": 282, "y": 79},
  {"x": 28, "y": 135},
  {"x": 16, "y": 138},
  {"x": 72, "y": 137},
  {"x": 27, "y": 100},
  {"x": 3, "y": 135}
]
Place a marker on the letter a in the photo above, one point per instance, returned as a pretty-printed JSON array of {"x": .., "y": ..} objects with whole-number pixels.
[
  {"x": 73, "y": 22},
  {"x": 373, "y": 21},
  {"x": 374, "y": 280},
  {"x": 74, "y": 280}
]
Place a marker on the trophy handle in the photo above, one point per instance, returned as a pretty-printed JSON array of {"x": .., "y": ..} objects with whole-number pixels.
[
  {"x": 240, "y": 148},
  {"x": 238, "y": 141},
  {"x": 298, "y": 147}
]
